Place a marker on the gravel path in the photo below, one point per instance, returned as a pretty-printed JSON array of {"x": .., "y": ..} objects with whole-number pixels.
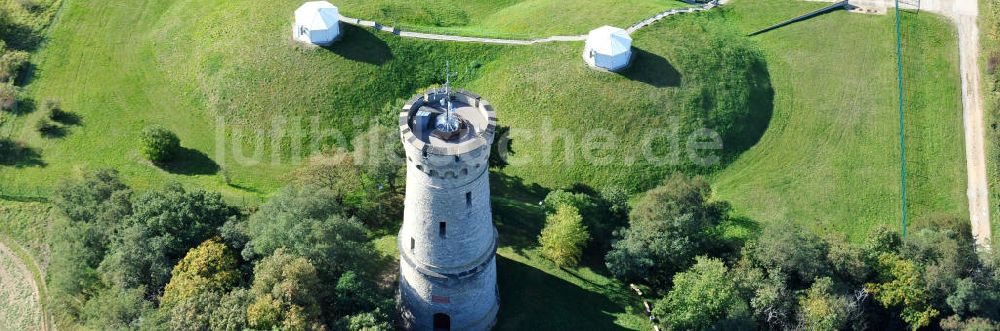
[
  {"x": 975, "y": 154},
  {"x": 441, "y": 37}
]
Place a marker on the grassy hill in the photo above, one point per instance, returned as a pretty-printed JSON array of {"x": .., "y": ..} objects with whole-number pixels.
[
  {"x": 807, "y": 112},
  {"x": 505, "y": 18},
  {"x": 830, "y": 156},
  {"x": 989, "y": 26},
  {"x": 224, "y": 83}
]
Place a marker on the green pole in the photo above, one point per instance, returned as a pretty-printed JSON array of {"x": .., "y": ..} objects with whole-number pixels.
[{"x": 902, "y": 140}]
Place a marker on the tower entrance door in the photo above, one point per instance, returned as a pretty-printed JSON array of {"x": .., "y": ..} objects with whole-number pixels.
[{"x": 442, "y": 322}]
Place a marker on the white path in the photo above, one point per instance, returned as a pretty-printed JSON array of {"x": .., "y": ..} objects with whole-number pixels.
[{"x": 442, "y": 37}]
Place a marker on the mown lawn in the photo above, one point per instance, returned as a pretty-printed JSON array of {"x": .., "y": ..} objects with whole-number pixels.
[
  {"x": 830, "y": 156},
  {"x": 505, "y": 18},
  {"x": 989, "y": 30},
  {"x": 191, "y": 65}
]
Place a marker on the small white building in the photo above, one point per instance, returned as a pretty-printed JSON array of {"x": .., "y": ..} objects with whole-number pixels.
[
  {"x": 317, "y": 22},
  {"x": 608, "y": 48}
]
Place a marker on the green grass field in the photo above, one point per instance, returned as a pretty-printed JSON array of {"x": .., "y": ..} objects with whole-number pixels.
[
  {"x": 825, "y": 93},
  {"x": 505, "y": 18},
  {"x": 830, "y": 153},
  {"x": 989, "y": 27},
  {"x": 830, "y": 156},
  {"x": 121, "y": 68}
]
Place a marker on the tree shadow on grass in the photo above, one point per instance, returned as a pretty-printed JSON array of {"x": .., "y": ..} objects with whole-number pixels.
[
  {"x": 191, "y": 162},
  {"x": 516, "y": 212},
  {"x": 18, "y": 155},
  {"x": 23, "y": 106},
  {"x": 755, "y": 124},
  {"x": 359, "y": 44},
  {"x": 532, "y": 299},
  {"x": 652, "y": 69},
  {"x": 67, "y": 118},
  {"x": 53, "y": 131}
]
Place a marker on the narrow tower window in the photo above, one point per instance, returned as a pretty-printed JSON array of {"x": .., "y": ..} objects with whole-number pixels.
[
  {"x": 468, "y": 199},
  {"x": 413, "y": 244},
  {"x": 443, "y": 229}
]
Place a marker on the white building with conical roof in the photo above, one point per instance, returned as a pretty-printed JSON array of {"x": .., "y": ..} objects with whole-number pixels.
[
  {"x": 317, "y": 22},
  {"x": 608, "y": 48}
]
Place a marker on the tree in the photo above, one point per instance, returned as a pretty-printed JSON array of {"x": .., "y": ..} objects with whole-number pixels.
[
  {"x": 975, "y": 297},
  {"x": 902, "y": 285},
  {"x": 193, "y": 312},
  {"x": 93, "y": 207},
  {"x": 11, "y": 63},
  {"x": 789, "y": 248},
  {"x": 558, "y": 198},
  {"x": 945, "y": 252},
  {"x": 210, "y": 267},
  {"x": 380, "y": 155},
  {"x": 231, "y": 315},
  {"x": 164, "y": 225},
  {"x": 101, "y": 197},
  {"x": 703, "y": 297},
  {"x": 368, "y": 321},
  {"x": 116, "y": 308},
  {"x": 285, "y": 288},
  {"x": 822, "y": 309},
  {"x": 306, "y": 221},
  {"x": 358, "y": 294},
  {"x": 772, "y": 302},
  {"x": 564, "y": 236},
  {"x": 357, "y": 189},
  {"x": 668, "y": 227},
  {"x": 159, "y": 145},
  {"x": 955, "y": 323}
]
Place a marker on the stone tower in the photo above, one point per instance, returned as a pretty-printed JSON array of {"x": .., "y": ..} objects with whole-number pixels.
[{"x": 448, "y": 243}]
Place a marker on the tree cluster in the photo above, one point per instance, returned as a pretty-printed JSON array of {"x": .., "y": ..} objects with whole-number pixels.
[
  {"x": 179, "y": 259},
  {"x": 789, "y": 277}
]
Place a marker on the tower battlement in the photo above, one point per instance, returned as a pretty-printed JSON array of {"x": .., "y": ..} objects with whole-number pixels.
[{"x": 456, "y": 157}]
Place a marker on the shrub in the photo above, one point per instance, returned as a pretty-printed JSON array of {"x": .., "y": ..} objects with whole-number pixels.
[
  {"x": 159, "y": 144},
  {"x": 11, "y": 63},
  {"x": 8, "y": 96}
]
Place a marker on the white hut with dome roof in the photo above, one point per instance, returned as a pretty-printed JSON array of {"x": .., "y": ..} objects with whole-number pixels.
[{"x": 608, "y": 48}]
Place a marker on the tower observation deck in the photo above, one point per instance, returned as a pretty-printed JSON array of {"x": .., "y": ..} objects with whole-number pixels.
[{"x": 448, "y": 242}]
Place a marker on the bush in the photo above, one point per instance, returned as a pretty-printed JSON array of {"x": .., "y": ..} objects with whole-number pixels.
[
  {"x": 11, "y": 62},
  {"x": 8, "y": 96},
  {"x": 159, "y": 144}
]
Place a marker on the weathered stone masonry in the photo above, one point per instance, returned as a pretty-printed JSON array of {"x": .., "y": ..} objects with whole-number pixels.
[{"x": 448, "y": 242}]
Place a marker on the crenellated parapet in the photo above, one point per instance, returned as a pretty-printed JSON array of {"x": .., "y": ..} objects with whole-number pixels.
[{"x": 459, "y": 158}]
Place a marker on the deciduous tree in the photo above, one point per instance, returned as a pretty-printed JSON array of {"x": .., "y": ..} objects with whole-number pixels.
[{"x": 564, "y": 236}]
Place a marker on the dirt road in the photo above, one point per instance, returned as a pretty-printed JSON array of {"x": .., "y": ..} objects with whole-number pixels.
[
  {"x": 19, "y": 295},
  {"x": 975, "y": 153}
]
